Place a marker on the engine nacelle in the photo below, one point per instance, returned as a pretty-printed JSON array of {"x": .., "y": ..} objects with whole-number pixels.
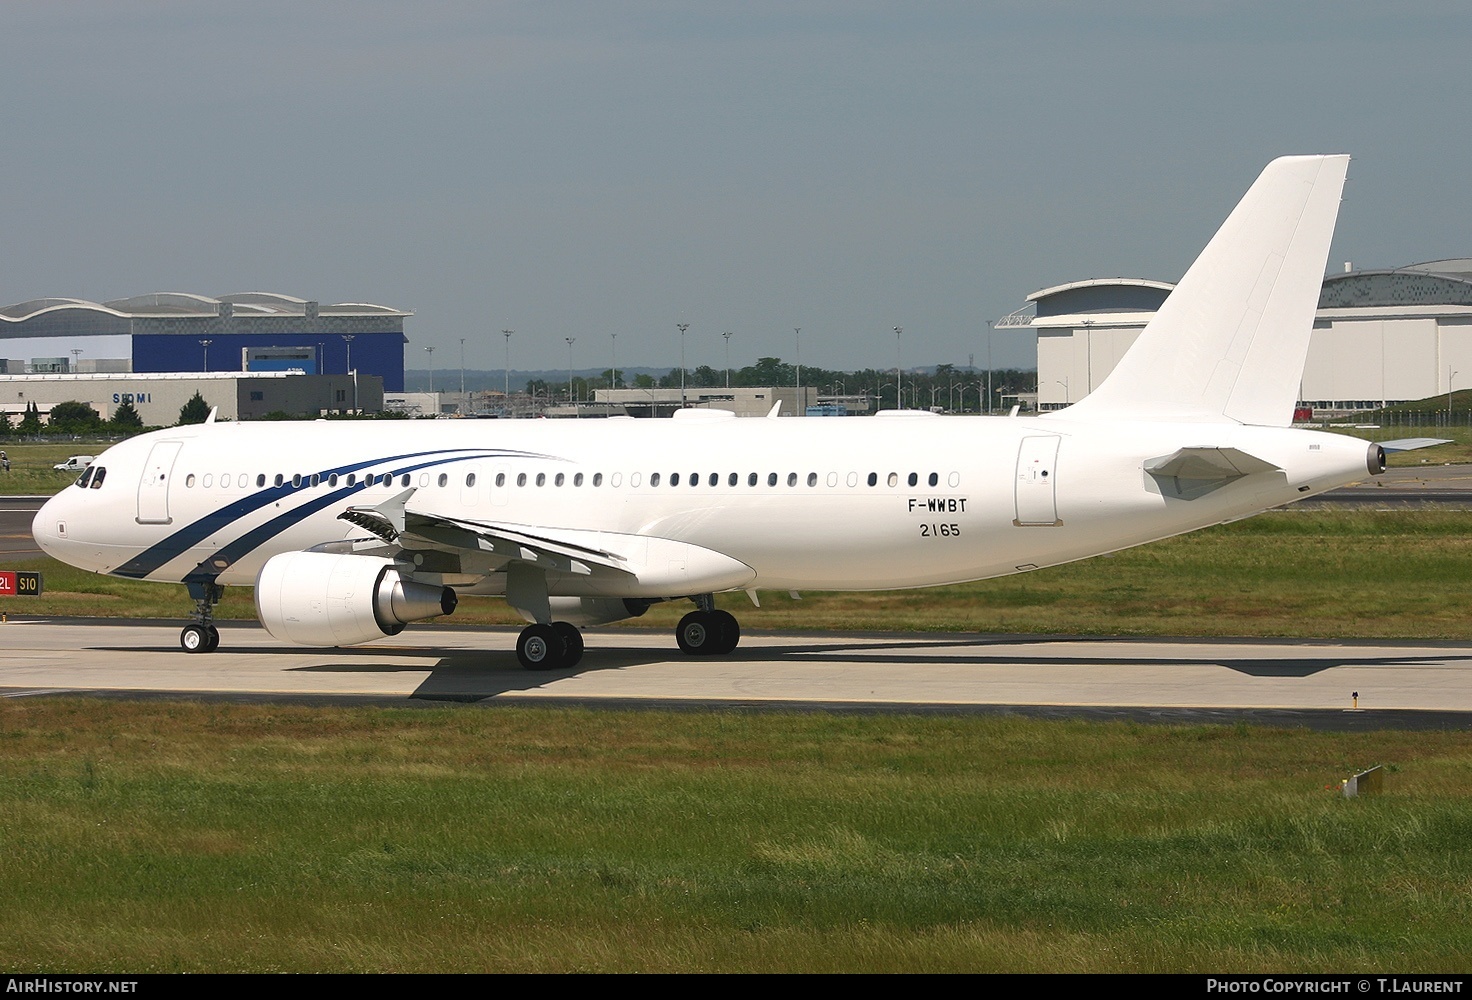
[
  {"x": 593, "y": 610},
  {"x": 328, "y": 599}
]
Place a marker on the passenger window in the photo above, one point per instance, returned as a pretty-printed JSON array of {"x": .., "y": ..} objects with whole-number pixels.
[
  {"x": 98, "y": 477},
  {"x": 853, "y": 479},
  {"x": 189, "y": 481},
  {"x": 791, "y": 479},
  {"x": 812, "y": 479},
  {"x": 731, "y": 480},
  {"x": 597, "y": 479},
  {"x": 914, "y": 479},
  {"x": 261, "y": 479},
  {"x": 577, "y": 480},
  {"x": 694, "y": 479},
  {"x": 296, "y": 481},
  {"x": 674, "y": 479},
  {"x": 500, "y": 479},
  {"x": 873, "y": 479},
  {"x": 521, "y": 479},
  {"x": 405, "y": 480},
  {"x": 332, "y": 479},
  {"x": 751, "y": 479},
  {"x": 470, "y": 479},
  {"x": 541, "y": 479},
  {"x": 559, "y": 480},
  {"x": 934, "y": 478},
  {"x": 894, "y": 479},
  {"x": 653, "y": 479},
  {"x": 633, "y": 479},
  {"x": 352, "y": 479},
  {"x": 423, "y": 479},
  {"x": 771, "y": 479},
  {"x": 278, "y": 479},
  {"x": 316, "y": 479},
  {"x": 444, "y": 479}
]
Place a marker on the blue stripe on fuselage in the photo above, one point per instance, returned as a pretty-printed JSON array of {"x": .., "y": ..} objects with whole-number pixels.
[{"x": 192, "y": 534}]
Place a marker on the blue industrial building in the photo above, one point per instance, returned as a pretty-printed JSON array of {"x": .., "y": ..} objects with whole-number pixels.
[{"x": 176, "y": 332}]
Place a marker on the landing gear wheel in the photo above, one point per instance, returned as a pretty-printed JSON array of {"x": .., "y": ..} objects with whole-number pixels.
[
  {"x": 572, "y": 641},
  {"x": 196, "y": 639},
  {"x": 540, "y": 647},
  {"x": 730, "y": 631},
  {"x": 700, "y": 633}
]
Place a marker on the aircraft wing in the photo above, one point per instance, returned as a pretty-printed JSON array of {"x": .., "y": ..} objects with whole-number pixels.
[{"x": 628, "y": 565}]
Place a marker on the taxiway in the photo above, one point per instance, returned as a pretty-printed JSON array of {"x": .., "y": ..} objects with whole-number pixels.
[{"x": 1309, "y": 682}]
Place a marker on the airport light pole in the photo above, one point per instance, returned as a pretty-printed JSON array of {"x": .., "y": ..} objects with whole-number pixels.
[
  {"x": 1450, "y": 374},
  {"x": 682, "y": 328},
  {"x": 430, "y": 352},
  {"x": 462, "y": 371},
  {"x": 206, "y": 345},
  {"x": 727, "y": 337},
  {"x": 802, "y": 411},
  {"x": 348, "y": 339},
  {"x": 506, "y": 400},
  {"x": 570, "y": 400},
  {"x": 898, "y": 401}
]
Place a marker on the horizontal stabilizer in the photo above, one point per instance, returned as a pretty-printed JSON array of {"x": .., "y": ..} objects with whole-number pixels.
[
  {"x": 1411, "y": 444},
  {"x": 1189, "y": 473}
]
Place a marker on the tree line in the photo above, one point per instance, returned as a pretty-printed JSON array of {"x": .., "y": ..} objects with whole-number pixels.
[{"x": 950, "y": 387}]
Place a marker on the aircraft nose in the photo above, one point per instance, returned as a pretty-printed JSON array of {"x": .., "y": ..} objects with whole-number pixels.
[{"x": 49, "y": 528}]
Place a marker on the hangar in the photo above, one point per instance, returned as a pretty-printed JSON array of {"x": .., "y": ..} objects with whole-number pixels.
[
  {"x": 1380, "y": 336},
  {"x": 181, "y": 332}
]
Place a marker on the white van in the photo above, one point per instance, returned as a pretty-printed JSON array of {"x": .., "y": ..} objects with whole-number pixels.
[{"x": 74, "y": 464}]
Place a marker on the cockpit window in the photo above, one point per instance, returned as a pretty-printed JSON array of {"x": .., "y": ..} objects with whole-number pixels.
[
  {"x": 98, "y": 476},
  {"x": 85, "y": 477}
]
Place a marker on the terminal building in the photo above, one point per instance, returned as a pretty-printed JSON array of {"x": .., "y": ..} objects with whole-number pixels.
[
  {"x": 159, "y": 396},
  {"x": 249, "y": 332},
  {"x": 1380, "y": 336}
]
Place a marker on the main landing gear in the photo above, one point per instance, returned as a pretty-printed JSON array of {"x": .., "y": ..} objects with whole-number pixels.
[
  {"x": 200, "y": 635},
  {"x": 547, "y": 647},
  {"x": 707, "y": 631}
]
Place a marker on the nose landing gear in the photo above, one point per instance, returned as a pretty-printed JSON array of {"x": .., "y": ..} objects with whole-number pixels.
[{"x": 200, "y": 635}]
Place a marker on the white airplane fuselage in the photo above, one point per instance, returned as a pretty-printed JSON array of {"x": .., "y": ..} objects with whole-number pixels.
[{"x": 952, "y": 498}]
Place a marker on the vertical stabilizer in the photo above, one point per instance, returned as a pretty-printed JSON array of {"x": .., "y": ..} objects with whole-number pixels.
[{"x": 1231, "y": 339}]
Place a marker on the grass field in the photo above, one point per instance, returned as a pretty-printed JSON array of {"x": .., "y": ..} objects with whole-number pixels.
[
  {"x": 1404, "y": 574},
  {"x": 189, "y": 837}
]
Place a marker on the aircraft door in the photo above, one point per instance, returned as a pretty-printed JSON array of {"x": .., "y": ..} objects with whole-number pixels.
[
  {"x": 1037, "y": 495},
  {"x": 153, "y": 487}
]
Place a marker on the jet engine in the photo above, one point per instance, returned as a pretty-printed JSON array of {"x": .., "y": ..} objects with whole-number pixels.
[{"x": 328, "y": 599}]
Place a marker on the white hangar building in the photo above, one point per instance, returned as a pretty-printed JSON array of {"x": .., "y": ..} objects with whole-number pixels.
[{"x": 1382, "y": 336}]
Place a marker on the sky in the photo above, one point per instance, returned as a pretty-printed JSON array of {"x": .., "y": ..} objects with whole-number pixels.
[{"x": 589, "y": 168}]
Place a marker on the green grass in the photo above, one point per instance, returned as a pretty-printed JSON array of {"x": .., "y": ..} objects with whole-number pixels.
[
  {"x": 189, "y": 837},
  {"x": 1324, "y": 573},
  {"x": 30, "y": 466}
]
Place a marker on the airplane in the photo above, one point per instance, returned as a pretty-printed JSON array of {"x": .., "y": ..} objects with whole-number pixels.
[{"x": 348, "y": 531}]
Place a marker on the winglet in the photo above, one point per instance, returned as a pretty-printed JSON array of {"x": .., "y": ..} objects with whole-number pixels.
[
  {"x": 386, "y": 520},
  {"x": 211, "y": 418}
]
